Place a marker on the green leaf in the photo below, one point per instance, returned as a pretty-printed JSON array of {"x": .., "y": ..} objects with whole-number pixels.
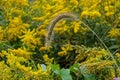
[
  {"x": 114, "y": 47},
  {"x": 2, "y": 22},
  {"x": 1, "y": 17},
  {"x": 65, "y": 74},
  {"x": 55, "y": 68},
  {"x": 89, "y": 77},
  {"x": 74, "y": 67}
]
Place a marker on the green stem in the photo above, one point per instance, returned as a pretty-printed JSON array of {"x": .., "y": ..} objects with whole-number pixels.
[{"x": 103, "y": 44}]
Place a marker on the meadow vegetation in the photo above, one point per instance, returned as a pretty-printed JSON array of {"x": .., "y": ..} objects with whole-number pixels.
[{"x": 86, "y": 49}]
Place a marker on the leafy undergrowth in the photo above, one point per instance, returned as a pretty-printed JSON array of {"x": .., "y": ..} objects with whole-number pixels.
[{"x": 86, "y": 49}]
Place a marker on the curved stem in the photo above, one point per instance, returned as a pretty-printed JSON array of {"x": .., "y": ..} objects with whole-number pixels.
[{"x": 53, "y": 23}]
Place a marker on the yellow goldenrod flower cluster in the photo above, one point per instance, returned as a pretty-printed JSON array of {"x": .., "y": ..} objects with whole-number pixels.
[
  {"x": 30, "y": 40},
  {"x": 47, "y": 59},
  {"x": 15, "y": 28},
  {"x": 118, "y": 56},
  {"x": 65, "y": 48},
  {"x": 62, "y": 53},
  {"x": 21, "y": 53},
  {"x": 90, "y": 10},
  {"x": 43, "y": 48},
  {"x": 61, "y": 27},
  {"x": 114, "y": 32},
  {"x": 5, "y": 72},
  {"x": 91, "y": 14},
  {"x": 15, "y": 64},
  {"x": 112, "y": 72},
  {"x": 118, "y": 72},
  {"x": 1, "y": 34},
  {"x": 109, "y": 10},
  {"x": 78, "y": 28}
]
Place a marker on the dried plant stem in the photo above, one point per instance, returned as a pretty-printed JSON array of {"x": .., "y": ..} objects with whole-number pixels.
[{"x": 53, "y": 23}]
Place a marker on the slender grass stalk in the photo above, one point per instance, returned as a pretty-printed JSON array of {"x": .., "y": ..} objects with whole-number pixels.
[{"x": 102, "y": 44}]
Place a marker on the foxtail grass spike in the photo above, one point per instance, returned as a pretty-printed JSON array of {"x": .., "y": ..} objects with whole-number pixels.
[{"x": 52, "y": 24}]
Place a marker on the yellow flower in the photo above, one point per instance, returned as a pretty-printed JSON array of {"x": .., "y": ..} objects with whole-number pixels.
[
  {"x": 112, "y": 72},
  {"x": 3, "y": 53},
  {"x": 74, "y": 2},
  {"x": 76, "y": 27},
  {"x": 62, "y": 53},
  {"x": 62, "y": 29},
  {"x": 12, "y": 60},
  {"x": 1, "y": 34},
  {"x": 67, "y": 47},
  {"x": 114, "y": 32},
  {"x": 84, "y": 14},
  {"x": 47, "y": 59},
  {"x": 20, "y": 3},
  {"x": 109, "y": 8},
  {"x": 41, "y": 32},
  {"x": 43, "y": 48},
  {"x": 109, "y": 13},
  {"x": 102, "y": 52},
  {"x": 39, "y": 18},
  {"x": 118, "y": 56},
  {"x": 15, "y": 29},
  {"x": 97, "y": 65},
  {"x": 22, "y": 67},
  {"x": 95, "y": 14},
  {"x": 15, "y": 11},
  {"x": 16, "y": 21},
  {"x": 5, "y": 73},
  {"x": 118, "y": 72},
  {"x": 21, "y": 53},
  {"x": 30, "y": 40}
]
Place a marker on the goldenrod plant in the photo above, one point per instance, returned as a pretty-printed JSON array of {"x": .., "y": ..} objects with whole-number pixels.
[{"x": 59, "y": 39}]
